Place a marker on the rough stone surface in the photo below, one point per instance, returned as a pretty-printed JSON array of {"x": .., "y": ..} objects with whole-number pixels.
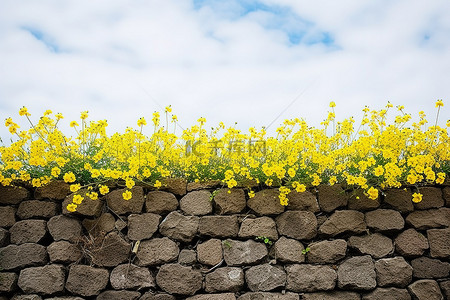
[
  {"x": 44, "y": 280},
  {"x": 229, "y": 203},
  {"x": 425, "y": 267},
  {"x": 4, "y": 237},
  {"x": 187, "y": 257},
  {"x": 387, "y": 294},
  {"x": 64, "y": 228},
  {"x": 28, "y": 231},
  {"x": 21, "y": 256},
  {"x": 302, "y": 201},
  {"x": 399, "y": 200},
  {"x": 411, "y": 243},
  {"x": 210, "y": 252},
  {"x": 331, "y": 197},
  {"x": 86, "y": 281},
  {"x": 196, "y": 203},
  {"x": 325, "y": 252},
  {"x": 25, "y": 297},
  {"x": 269, "y": 296},
  {"x": 289, "y": 250},
  {"x": 157, "y": 251},
  {"x": 142, "y": 226},
  {"x": 103, "y": 224},
  {"x": 263, "y": 226},
  {"x": 266, "y": 202},
  {"x": 310, "y": 278},
  {"x": 120, "y": 206},
  {"x": 35, "y": 208},
  {"x": 331, "y": 295},
  {"x": 87, "y": 208},
  {"x": 357, "y": 273},
  {"x": 159, "y": 202},
  {"x": 224, "y": 296},
  {"x": 114, "y": 250},
  {"x": 264, "y": 278},
  {"x": 178, "y": 279},
  {"x": 439, "y": 240},
  {"x": 393, "y": 271},
  {"x": 179, "y": 227},
  {"x": 343, "y": 221},
  {"x": 237, "y": 253},
  {"x": 12, "y": 194},
  {"x": 63, "y": 252},
  {"x": 203, "y": 185},
  {"x": 175, "y": 186},
  {"x": 122, "y": 295},
  {"x": 425, "y": 289},
  {"x": 446, "y": 195},
  {"x": 8, "y": 282},
  {"x": 431, "y": 198},
  {"x": 445, "y": 288},
  {"x": 432, "y": 218},
  {"x": 227, "y": 279},
  {"x": 384, "y": 220},
  {"x": 297, "y": 224},
  {"x": 7, "y": 216},
  {"x": 219, "y": 226},
  {"x": 359, "y": 201},
  {"x": 376, "y": 245},
  {"x": 56, "y": 190},
  {"x": 129, "y": 276},
  {"x": 152, "y": 296},
  {"x": 65, "y": 298}
]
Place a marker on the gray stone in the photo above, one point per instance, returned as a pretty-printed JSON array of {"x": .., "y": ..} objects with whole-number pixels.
[
  {"x": 237, "y": 253},
  {"x": 210, "y": 252},
  {"x": 46, "y": 280},
  {"x": 8, "y": 282},
  {"x": 229, "y": 201},
  {"x": 120, "y": 206},
  {"x": 302, "y": 201},
  {"x": 399, "y": 199},
  {"x": 432, "y": 218},
  {"x": 259, "y": 227},
  {"x": 152, "y": 296},
  {"x": 12, "y": 194},
  {"x": 393, "y": 271},
  {"x": 122, "y": 295},
  {"x": 142, "y": 226},
  {"x": 289, "y": 251},
  {"x": 160, "y": 202},
  {"x": 266, "y": 202},
  {"x": 425, "y": 289},
  {"x": 269, "y": 296},
  {"x": 410, "y": 243},
  {"x": 310, "y": 278},
  {"x": 56, "y": 190},
  {"x": 157, "y": 251},
  {"x": 187, "y": 257},
  {"x": 21, "y": 256},
  {"x": 331, "y": 197},
  {"x": 359, "y": 201},
  {"x": 196, "y": 203},
  {"x": 445, "y": 288},
  {"x": 224, "y": 296},
  {"x": 179, "y": 227},
  {"x": 7, "y": 216},
  {"x": 65, "y": 298},
  {"x": 439, "y": 242},
  {"x": 357, "y": 273},
  {"x": 203, "y": 185},
  {"x": 26, "y": 297},
  {"x": 297, "y": 224},
  {"x": 343, "y": 221},
  {"x": 264, "y": 278},
  {"x": 63, "y": 252},
  {"x": 227, "y": 279},
  {"x": 384, "y": 220},
  {"x": 425, "y": 267},
  {"x": 325, "y": 252},
  {"x": 332, "y": 295},
  {"x": 130, "y": 276},
  {"x": 103, "y": 224},
  {"x": 431, "y": 198},
  {"x": 87, "y": 208},
  {"x": 178, "y": 279},
  {"x": 28, "y": 231},
  {"x": 4, "y": 237},
  {"x": 376, "y": 245},
  {"x": 86, "y": 281},
  {"x": 35, "y": 208},
  {"x": 387, "y": 294},
  {"x": 175, "y": 186},
  {"x": 219, "y": 226},
  {"x": 114, "y": 250},
  {"x": 64, "y": 228}
]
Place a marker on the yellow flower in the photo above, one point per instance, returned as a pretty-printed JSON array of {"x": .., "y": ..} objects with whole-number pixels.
[
  {"x": 127, "y": 195},
  {"x": 92, "y": 195},
  {"x": 141, "y": 122},
  {"x": 157, "y": 184},
  {"x": 69, "y": 177},
  {"x": 84, "y": 115},
  {"x": 168, "y": 109},
  {"x": 71, "y": 207},
  {"x": 417, "y": 197},
  {"x": 75, "y": 187},
  {"x": 59, "y": 116},
  {"x": 24, "y": 112},
  {"x": 439, "y": 103},
  {"x": 129, "y": 183},
  {"x": 378, "y": 171},
  {"x": 73, "y": 124},
  {"x": 373, "y": 193},
  {"x": 77, "y": 199},
  {"x": 103, "y": 189},
  {"x": 55, "y": 171},
  {"x": 251, "y": 194},
  {"x": 95, "y": 173},
  {"x": 291, "y": 172},
  {"x": 441, "y": 178},
  {"x": 332, "y": 104}
]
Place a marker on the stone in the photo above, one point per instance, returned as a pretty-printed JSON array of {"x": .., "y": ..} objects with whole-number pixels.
[
  {"x": 226, "y": 279},
  {"x": 210, "y": 252},
  {"x": 310, "y": 278},
  {"x": 229, "y": 201},
  {"x": 393, "y": 271},
  {"x": 331, "y": 295},
  {"x": 159, "y": 202},
  {"x": 326, "y": 252},
  {"x": 179, "y": 227},
  {"x": 101, "y": 225},
  {"x": 37, "y": 209},
  {"x": 46, "y": 280},
  {"x": 219, "y": 226},
  {"x": 121, "y": 223},
  {"x": 113, "y": 250},
  {"x": 376, "y": 244},
  {"x": 28, "y": 231},
  {"x": 64, "y": 228},
  {"x": 343, "y": 222},
  {"x": 13, "y": 194},
  {"x": 445, "y": 288},
  {"x": 22, "y": 256},
  {"x": 187, "y": 257},
  {"x": 302, "y": 201},
  {"x": 177, "y": 186},
  {"x": 331, "y": 197},
  {"x": 265, "y": 278},
  {"x": 63, "y": 252},
  {"x": 196, "y": 203},
  {"x": 65, "y": 298},
  {"x": 178, "y": 279},
  {"x": 411, "y": 243},
  {"x": 142, "y": 226},
  {"x": 26, "y": 297},
  {"x": 301, "y": 225},
  {"x": 225, "y": 296},
  {"x": 237, "y": 253},
  {"x": 4, "y": 237},
  {"x": 359, "y": 201},
  {"x": 357, "y": 273},
  {"x": 122, "y": 295},
  {"x": 425, "y": 267},
  {"x": 120, "y": 206},
  {"x": 431, "y": 198},
  {"x": 152, "y": 296},
  {"x": 87, "y": 208},
  {"x": 269, "y": 296},
  {"x": 289, "y": 251},
  {"x": 425, "y": 289},
  {"x": 130, "y": 276},
  {"x": 8, "y": 282},
  {"x": 266, "y": 202},
  {"x": 55, "y": 190},
  {"x": 399, "y": 199},
  {"x": 203, "y": 185},
  {"x": 157, "y": 251},
  {"x": 259, "y": 227},
  {"x": 384, "y": 220},
  {"x": 387, "y": 294},
  {"x": 86, "y": 281},
  {"x": 7, "y": 216},
  {"x": 431, "y": 218},
  {"x": 439, "y": 242}
]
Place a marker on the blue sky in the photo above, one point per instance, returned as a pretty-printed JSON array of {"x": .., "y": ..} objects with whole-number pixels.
[{"x": 232, "y": 61}]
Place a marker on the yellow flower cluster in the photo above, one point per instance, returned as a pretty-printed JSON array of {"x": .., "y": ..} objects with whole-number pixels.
[{"x": 373, "y": 157}]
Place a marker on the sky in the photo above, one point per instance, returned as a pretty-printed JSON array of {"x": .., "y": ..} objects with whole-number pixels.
[{"x": 246, "y": 61}]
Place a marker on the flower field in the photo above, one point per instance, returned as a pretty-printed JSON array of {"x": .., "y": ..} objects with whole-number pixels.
[{"x": 372, "y": 155}]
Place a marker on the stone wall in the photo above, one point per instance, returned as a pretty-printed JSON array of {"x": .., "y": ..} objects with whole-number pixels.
[{"x": 198, "y": 241}]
